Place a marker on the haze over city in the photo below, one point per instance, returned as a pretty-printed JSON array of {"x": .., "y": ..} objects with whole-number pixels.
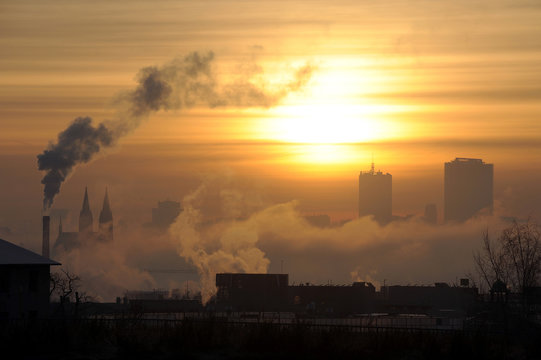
[
  {"x": 411, "y": 89},
  {"x": 258, "y": 120}
]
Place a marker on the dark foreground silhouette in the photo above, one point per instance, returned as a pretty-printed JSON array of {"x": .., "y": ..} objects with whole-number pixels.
[{"x": 212, "y": 338}]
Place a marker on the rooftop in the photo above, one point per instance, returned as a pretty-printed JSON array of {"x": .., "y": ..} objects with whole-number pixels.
[{"x": 11, "y": 254}]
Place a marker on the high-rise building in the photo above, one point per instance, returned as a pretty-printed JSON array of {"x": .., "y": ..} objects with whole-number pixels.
[
  {"x": 468, "y": 188},
  {"x": 376, "y": 195}
]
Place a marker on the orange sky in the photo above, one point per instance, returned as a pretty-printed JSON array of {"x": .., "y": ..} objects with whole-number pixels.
[{"x": 413, "y": 83}]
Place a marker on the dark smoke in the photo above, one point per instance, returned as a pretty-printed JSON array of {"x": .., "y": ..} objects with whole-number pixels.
[
  {"x": 76, "y": 145},
  {"x": 181, "y": 83}
]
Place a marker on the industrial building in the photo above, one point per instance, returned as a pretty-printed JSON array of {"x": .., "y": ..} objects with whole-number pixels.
[
  {"x": 356, "y": 298},
  {"x": 438, "y": 300},
  {"x": 252, "y": 292},
  {"x": 271, "y": 292},
  {"x": 376, "y": 195},
  {"x": 468, "y": 188}
]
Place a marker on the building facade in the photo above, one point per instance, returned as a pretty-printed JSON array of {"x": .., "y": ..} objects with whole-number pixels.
[
  {"x": 252, "y": 292},
  {"x": 24, "y": 283},
  {"x": 376, "y": 195},
  {"x": 468, "y": 188}
]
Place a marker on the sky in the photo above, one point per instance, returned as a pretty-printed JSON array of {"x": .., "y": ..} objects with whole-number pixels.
[{"x": 410, "y": 84}]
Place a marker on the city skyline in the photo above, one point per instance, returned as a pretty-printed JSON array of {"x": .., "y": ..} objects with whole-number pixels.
[
  {"x": 258, "y": 119},
  {"x": 431, "y": 84},
  {"x": 240, "y": 175}
]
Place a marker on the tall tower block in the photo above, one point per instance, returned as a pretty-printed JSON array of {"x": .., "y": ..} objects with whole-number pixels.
[
  {"x": 376, "y": 195},
  {"x": 468, "y": 188}
]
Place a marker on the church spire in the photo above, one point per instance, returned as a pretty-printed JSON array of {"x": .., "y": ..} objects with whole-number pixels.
[
  {"x": 85, "y": 217},
  {"x": 106, "y": 215},
  {"x": 86, "y": 206},
  {"x": 106, "y": 220}
]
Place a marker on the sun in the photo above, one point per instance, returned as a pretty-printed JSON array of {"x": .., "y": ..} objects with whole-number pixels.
[
  {"x": 327, "y": 124},
  {"x": 337, "y": 108}
]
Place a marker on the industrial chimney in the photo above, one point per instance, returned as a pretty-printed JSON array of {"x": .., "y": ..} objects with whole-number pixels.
[{"x": 45, "y": 244}]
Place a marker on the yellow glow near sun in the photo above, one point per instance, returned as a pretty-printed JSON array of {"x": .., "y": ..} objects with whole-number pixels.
[
  {"x": 336, "y": 154},
  {"x": 329, "y": 123},
  {"x": 336, "y": 108}
]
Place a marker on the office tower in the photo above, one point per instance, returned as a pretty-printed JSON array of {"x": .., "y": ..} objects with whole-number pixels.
[
  {"x": 468, "y": 188},
  {"x": 375, "y": 195}
]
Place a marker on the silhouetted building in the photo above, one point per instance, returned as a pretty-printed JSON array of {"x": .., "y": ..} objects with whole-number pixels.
[
  {"x": 165, "y": 214},
  {"x": 440, "y": 299},
  {"x": 71, "y": 240},
  {"x": 155, "y": 294},
  {"x": 271, "y": 292},
  {"x": 252, "y": 292},
  {"x": 468, "y": 188},
  {"x": 328, "y": 299},
  {"x": 431, "y": 214},
  {"x": 165, "y": 305},
  {"x": 24, "y": 283},
  {"x": 375, "y": 195}
]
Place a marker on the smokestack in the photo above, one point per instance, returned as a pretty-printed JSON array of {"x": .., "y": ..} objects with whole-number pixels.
[{"x": 45, "y": 244}]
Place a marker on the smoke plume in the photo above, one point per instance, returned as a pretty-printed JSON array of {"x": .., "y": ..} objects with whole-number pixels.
[
  {"x": 182, "y": 83},
  {"x": 76, "y": 145},
  {"x": 219, "y": 246}
]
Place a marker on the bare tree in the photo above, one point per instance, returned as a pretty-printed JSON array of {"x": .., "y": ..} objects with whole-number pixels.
[
  {"x": 515, "y": 258},
  {"x": 66, "y": 286}
]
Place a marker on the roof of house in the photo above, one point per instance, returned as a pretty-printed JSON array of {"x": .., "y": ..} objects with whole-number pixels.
[{"x": 11, "y": 254}]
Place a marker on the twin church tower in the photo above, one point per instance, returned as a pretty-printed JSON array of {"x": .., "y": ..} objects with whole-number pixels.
[
  {"x": 86, "y": 220},
  {"x": 86, "y": 233}
]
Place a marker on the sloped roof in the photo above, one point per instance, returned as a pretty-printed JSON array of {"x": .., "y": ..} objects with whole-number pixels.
[{"x": 11, "y": 254}]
